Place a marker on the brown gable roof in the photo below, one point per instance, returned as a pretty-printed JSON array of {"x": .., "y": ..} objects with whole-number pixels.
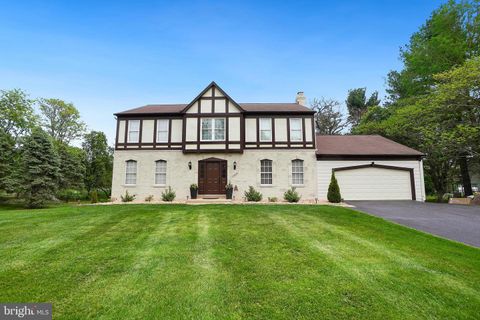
[
  {"x": 154, "y": 109},
  {"x": 248, "y": 107},
  {"x": 362, "y": 145},
  {"x": 275, "y": 107}
]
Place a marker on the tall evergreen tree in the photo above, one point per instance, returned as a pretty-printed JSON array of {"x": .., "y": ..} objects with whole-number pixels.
[
  {"x": 7, "y": 155},
  {"x": 72, "y": 166},
  {"x": 358, "y": 104},
  {"x": 40, "y": 166},
  {"x": 98, "y": 162}
]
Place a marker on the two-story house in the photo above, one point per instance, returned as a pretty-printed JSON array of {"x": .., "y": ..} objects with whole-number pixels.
[{"x": 213, "y": 140}]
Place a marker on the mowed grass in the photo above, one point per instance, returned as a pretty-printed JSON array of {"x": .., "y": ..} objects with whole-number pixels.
[{"x": 232, "y": 262}]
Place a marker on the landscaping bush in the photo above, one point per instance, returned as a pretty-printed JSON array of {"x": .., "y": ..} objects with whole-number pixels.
[
  {"x": 149, "y": 198},
  {"x": 333, "y": 194},
  {"x": 272, "y": 199},
  {"x": 68, "y": 195},
  {"x": 94, "y": 196},
  {"x": 168, "y": 195},
  {"x": 252, "y": 194},
  {"x": 291, "y": 195},
  {"x": 127, "y": 197}
]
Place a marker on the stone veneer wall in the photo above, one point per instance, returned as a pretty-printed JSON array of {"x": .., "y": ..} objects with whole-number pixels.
[{"x": 179, "y": 176}]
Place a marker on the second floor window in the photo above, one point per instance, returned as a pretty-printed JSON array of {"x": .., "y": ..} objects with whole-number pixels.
[
  {"x": 265, "y": 129},
  {"x": 296, "y": 129},
  {"x": 213, "y": 129},
  {"x": 162, "y": 130},
  {"x": 266, "y": 176},
  {"x": 161, "y": 172},
  {"x": 133, "y": 130},
  {"x": 131, "y": 172}
]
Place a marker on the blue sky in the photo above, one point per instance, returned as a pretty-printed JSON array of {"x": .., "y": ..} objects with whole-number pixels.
[{"x": 107, "y": 56}]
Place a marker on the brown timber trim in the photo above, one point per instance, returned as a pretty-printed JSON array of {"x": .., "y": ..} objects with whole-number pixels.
[
  {"x": 155, "y": 132},
  {"x": 258, "y": 132},
  {"x": 278, "y": 148},
  {"x": 140, "y": 133},
  {"x": 126, "y": 131},
  {"x": 213, "y": 99},
  {"x": 118, "y": 132},
  {"x": 381, "y": 166},
  {"x": 169, "y": 132},
  {"x": 314, "y": 140},
  {"x": 303, "y": 132},
  {"x": 242, "y": 131},
  {"x": 212, "y": 115},
  {"x": 385, "y": 157},
  {"x": 212, "y": 142},
  {"x": 214, "y": 151},
  {"x": 288, "y": 132},
  {"x": 184, "y": 132},
  {"x": 273, "y": 131},
  {"x": 198, "y": 132}
]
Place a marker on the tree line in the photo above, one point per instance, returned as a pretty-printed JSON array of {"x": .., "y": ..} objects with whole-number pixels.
[
  {"x": 38, "y": 162},
  {"x": 432, "y": 103}
]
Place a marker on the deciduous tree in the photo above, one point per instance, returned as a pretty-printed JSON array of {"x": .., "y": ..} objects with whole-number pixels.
[
  {"x": 329, "y": 118},
  {"x": 61, "y": 120}
]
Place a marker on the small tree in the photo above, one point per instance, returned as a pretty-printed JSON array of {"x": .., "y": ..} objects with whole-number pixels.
[
  {"x": 333, "y": 194},
  {"x": 291, "y": 195},
  {"x": 40, "y": 169},
  {"x": 253, "y": 195}
]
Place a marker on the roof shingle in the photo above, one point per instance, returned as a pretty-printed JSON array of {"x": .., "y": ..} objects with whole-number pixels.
[
  {"x": 361, "y": 145},
  {"x": 248, "y": 107}
]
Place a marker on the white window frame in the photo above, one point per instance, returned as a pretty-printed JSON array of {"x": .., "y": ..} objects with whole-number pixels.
[
  {"x": 129, "y": 140},
  {"x": 295, "y": 171},
  {"x": 292, "y": 120},
  {"x": 262, "y": 123},
  {"x": 159, "y": 172},
  {"x": 134, "y": 173},
  {"x": 262, "y": 173},
  {"x": 212, "y": 129},
  {"x": 165, "y": 130}
]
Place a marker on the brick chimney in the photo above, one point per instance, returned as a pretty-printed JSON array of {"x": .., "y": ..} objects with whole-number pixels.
[{"x": 301, "y": 99}]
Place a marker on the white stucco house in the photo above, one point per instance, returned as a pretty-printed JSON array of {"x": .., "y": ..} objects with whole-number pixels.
[{"x": 213, "y": 140}]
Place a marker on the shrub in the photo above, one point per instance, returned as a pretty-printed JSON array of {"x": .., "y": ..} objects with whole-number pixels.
[
  {"x": 333, "y": 194},
  {"x": 291, "y": 195},
  {"x": 168, "y": 195},
  {"x": 149, "y": 198},
  {"x": 193, "y": 186},
  {"x": 252, "y": 194},
  {"x": 128, "y": 197},
  {"x": 68, "y": 195},
  {"x": 94, "y": 196},
  {"x": 229, "y": 186},
  {"x": 272, "y": 199}
]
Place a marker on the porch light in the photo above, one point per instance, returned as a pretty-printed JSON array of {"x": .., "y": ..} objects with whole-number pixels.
[
  {"x": 190, "y": 165},
  {"x": 234, "y": 165}
]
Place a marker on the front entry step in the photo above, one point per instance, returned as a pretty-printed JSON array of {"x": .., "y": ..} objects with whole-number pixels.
[{"x": 212, "y": 196}]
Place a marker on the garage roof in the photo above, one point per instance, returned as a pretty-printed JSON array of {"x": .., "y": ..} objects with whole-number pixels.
[{"x": 362, "y": 146}]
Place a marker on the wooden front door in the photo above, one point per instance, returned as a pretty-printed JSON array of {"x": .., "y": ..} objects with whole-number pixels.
[{"x": 212, "y": 176}]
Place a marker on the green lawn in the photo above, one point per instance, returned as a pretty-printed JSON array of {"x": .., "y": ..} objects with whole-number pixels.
[{"x": 232, "y": 262}]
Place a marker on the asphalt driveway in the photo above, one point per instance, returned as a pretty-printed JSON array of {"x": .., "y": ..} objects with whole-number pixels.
[{"x": 455, "y": 222}]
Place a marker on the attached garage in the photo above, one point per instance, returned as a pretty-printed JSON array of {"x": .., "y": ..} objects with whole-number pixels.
[{"x": 369, "y": 168}]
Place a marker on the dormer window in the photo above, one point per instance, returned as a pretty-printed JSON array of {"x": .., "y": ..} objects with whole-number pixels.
[{"x": 213, "y": 129}]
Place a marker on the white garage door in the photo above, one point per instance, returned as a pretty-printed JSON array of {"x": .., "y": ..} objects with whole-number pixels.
[{"x": 373, "y": 183}]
